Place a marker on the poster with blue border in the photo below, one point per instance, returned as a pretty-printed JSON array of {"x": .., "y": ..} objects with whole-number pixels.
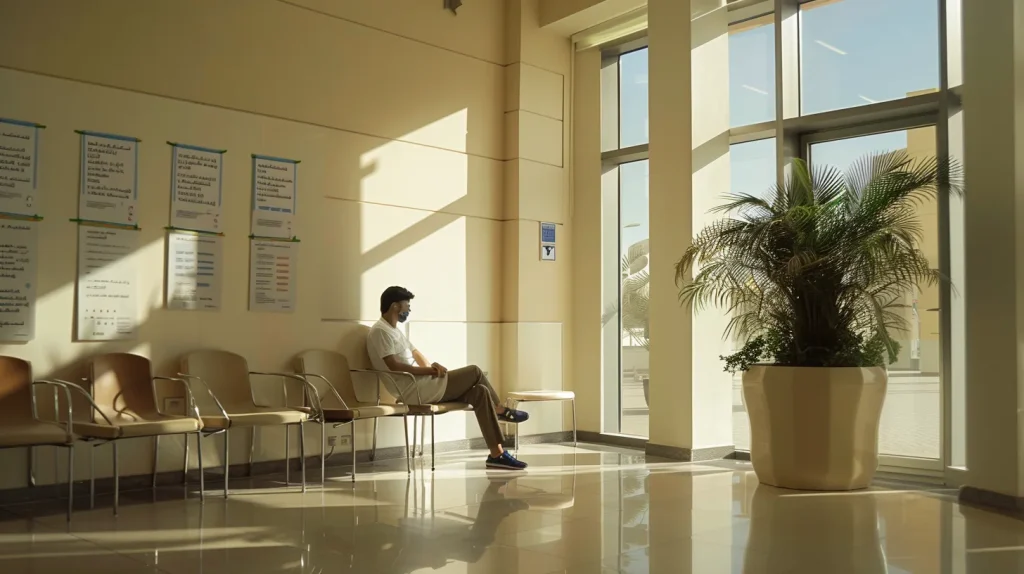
[
  {"x": 109, "y": 178},
  {"x": 196, "y": 187},
  {"x": 275, "y": 187},
  {"x": 19, "y": 166}
]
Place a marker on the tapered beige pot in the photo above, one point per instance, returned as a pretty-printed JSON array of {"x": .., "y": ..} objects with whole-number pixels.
[{"x": 814, "y": 428}]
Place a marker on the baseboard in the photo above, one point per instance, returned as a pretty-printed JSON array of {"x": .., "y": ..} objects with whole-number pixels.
[
  {"x": 340, "y": 458},
  {"x": 974, "y": 496},
  {"x": 689, "y": 455},
  {"x": 612, "y": 439}
]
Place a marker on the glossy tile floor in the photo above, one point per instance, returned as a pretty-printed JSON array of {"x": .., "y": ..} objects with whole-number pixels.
[{"x": 589, "y": 510}]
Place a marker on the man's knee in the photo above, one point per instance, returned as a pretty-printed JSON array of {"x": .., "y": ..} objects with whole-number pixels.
[{"x": 477, "y": 371}]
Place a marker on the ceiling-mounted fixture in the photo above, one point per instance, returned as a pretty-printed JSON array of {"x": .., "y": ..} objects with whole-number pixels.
[{"x": 453, "y": 5}]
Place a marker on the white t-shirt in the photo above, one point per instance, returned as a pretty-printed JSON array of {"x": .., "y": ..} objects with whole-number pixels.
[{"x": 385, "y": 340}]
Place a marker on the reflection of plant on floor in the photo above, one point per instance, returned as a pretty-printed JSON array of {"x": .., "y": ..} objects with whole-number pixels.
[{"x": 635, "y": 510}]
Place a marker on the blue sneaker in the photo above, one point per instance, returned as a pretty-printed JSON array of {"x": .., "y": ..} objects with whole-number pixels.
[
  {"x": 505, "y": 462},
  {"x": 513, "y": 416}
]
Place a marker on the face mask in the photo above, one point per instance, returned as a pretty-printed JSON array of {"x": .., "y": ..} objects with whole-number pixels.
[{"x": 403, "y": 316}]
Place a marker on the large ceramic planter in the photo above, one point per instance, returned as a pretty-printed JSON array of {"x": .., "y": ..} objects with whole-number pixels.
[{"x": 814, "y": 428}]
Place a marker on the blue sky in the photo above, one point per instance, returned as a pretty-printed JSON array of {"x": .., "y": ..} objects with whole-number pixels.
[{"x": 853, "y": 53}]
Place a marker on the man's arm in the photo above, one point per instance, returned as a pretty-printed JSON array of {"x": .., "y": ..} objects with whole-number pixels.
[
  {"x": 421, "y": 360},
  {"x": 395, "y": 365}
]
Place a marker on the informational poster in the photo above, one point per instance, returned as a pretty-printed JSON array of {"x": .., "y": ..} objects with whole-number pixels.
[
  {"x": 274, "y": 194},
  {"x": 107, "y": 302},
  {"x": 19, "y": 242},
  {"x": 272, "y": 276},
  {"x": 194, "y": 267},
  {"x": 196, "y": 182},
  {"x": 19, "y": 166},
  {"x": 547, "y": 241},
  {"x": 110, "y": 182}
]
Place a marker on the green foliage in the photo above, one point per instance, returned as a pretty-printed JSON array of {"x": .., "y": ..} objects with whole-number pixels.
[{"x": 814, "y": 273}]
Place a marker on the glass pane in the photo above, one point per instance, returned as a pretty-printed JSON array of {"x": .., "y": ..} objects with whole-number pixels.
[
  {"x": 857, "y": 52},
  {"x": 752, "y": 170},
  {"x": 633, "y": 99},
  {"x": 634, "y": 295},
  {"x": 752, "y": 72},
  {"x": 911, "y": 421}
]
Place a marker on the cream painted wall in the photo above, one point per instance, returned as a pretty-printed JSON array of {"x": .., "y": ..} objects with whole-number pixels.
[{"x": 397, "y": 114}]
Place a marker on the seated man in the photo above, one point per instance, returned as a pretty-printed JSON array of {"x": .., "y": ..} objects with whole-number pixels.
[{"x": 390, "y": 350}]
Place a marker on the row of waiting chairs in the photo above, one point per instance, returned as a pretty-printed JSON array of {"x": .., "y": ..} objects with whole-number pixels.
[{"x": 123, "y": 403}]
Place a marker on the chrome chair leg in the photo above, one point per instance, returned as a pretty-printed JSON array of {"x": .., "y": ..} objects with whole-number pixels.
[
  {"x": 199, "y": 457},
  {"x": 31, "y": 466},
  {"x": 431, "y": 444},
  {"x": 574, "y": 425},
  {"x": 414, "y": 441},
  {"x": 252, "y": 448},
  {"x": 373, "y": 449},
  {"x": 117, "y": 481},
  {"x": 408, "y": 465},
  {"x": 323, "y": 453},
  {"x": 423, "y": 434},
  {"x": 71, "y": 480},
  {"x": 184, "y": 475},
  {"x": 227, "y": 458},
  {"x": 515, "y": 407},
  {"x": 302, "y": 454},
  {"x": 287, "y": 454},
  {"x": 352, "y": 430},
  {"x": 156, "y": 456},
  {"x": 92, "y": 477}
]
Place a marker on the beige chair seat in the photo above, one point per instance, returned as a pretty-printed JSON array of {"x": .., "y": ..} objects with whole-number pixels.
[
  {"x": 124, "y": 427},
  {"x": 439, "y": 408},
  {"x": 255, "y": 416},
  {"x": 551, "y": 502},
  {"x": 33, "y": 433},
  {"x": 363, "y": 411},
  {"x": 527, "y": 396}
]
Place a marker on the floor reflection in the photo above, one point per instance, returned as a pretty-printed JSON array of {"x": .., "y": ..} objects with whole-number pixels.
[{"x": 586, "y": 510}]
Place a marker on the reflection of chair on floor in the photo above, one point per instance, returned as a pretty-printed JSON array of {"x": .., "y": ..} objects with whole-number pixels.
[
  {"x": 339, "y": 403},
  {"x": 20, "y": 425},
  {"x": 227, "y": 379},
  {"x": 122, "y": 392}
]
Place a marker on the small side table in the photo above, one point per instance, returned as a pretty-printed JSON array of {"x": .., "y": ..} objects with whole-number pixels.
[{"x": 516, "y": 397}]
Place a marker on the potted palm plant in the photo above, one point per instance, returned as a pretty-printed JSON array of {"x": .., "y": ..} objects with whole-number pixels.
[{"x": 815, "y": 276}]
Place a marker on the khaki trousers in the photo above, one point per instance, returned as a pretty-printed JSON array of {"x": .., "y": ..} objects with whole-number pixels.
[{"x": 470, "y": 385}]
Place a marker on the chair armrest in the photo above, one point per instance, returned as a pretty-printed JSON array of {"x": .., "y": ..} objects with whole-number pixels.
[
  {"x": 313, "y": 398},
  {"x": 188, "y": 392},
  {"x": 73, "y": 387},
  {"x": 401, "y": 395},
  {"x": 56, "y": 411},
  {"x": 220, "y": 407},
  {"x": 337, "y": 395}
]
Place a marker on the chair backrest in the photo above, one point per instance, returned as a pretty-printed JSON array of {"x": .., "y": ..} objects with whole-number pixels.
[
  {"x": 15, "y": 390},
  {"x": 122, "y": 386},
  {"x": 333, "y": 367},
  {"x": 226, "y": 374}
]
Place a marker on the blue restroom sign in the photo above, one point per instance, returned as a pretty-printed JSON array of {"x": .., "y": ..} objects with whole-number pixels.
[{"x": 547, "y": 241}]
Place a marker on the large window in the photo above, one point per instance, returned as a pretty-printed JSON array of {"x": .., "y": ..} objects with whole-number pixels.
[
  {"x": 858, "y": 77},
  {"x": 857, "y": 52},
  {"x": 752, "y": 71},
  {"x": 826, "y": 82},
  {"x": 626, "y": 244},
  {"x": 911, "y": 418}
]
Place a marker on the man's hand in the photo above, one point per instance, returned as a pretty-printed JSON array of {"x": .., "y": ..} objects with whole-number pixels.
[{"x": 439, "y": 370}]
